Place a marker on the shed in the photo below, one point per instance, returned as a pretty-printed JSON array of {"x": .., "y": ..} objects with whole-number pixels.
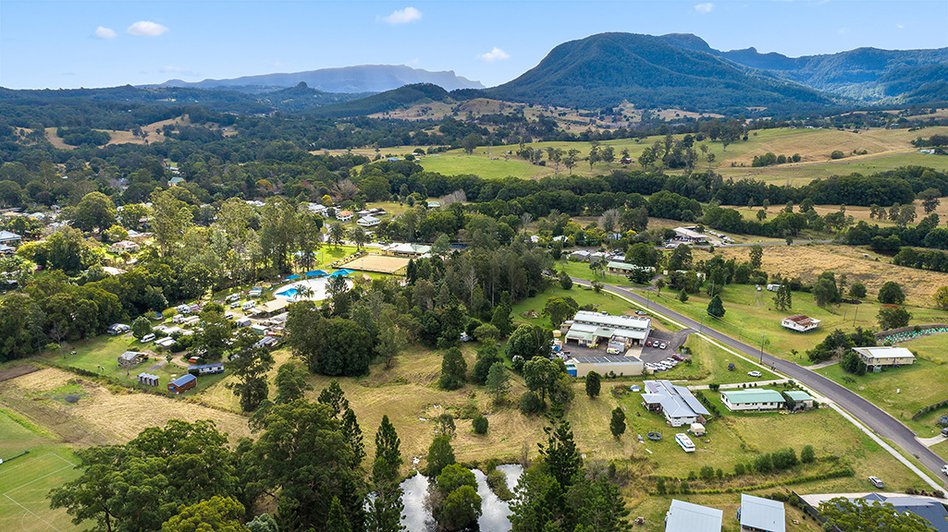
[
  {"x": 182, "y": 384},
  {"x": 688, "y": 517},
  {"x": 757, "y": 514},
  {"x": 131, "y": 358},
  {"x": 148, "y": 379}
]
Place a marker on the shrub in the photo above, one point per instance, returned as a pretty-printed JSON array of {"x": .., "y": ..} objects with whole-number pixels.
[
  {"x": 707, "y": 473},
  {"x": 530, "y": 403},
  {"x": 739, "y": 469},
  {"x": 497, "y": 481},
  {"x": 807, "y": 455},
  {"x": 479, "y": 424}
]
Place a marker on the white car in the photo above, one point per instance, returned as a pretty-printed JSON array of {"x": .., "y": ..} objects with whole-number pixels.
[
  {"x": 877, "y": 482},
  {"x": 944, "y": 469},
  {"x": 755, "y": 374}
]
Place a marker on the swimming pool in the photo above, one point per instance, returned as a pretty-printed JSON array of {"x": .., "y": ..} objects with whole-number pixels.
[{"x": 289, "y": 293}]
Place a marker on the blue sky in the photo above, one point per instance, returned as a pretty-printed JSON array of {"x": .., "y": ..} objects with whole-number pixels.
[{"x": 54, "y": 44}]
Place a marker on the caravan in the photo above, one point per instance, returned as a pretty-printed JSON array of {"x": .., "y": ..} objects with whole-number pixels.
[{"x": 685, "y": 442}]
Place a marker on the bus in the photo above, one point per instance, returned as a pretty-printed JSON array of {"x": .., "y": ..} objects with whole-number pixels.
[{"x": 685, "y": 442}]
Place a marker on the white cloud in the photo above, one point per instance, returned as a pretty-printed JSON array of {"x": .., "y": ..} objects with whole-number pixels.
[
  {"x": 403, "y": 16},
  {"x": 900, "y": 26},
  {"x": 147, "y": 28},
  {"x": 495, "y": 54},
  {"x": 104, "y": 33},
  {"x": 704, "y": 8}
]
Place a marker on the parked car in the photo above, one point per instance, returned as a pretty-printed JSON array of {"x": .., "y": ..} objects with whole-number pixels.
[
  {"x": 148, "y": 338},
  {"x": 662, "y": 345},
  {"x": 755, "y": 374},
  {"x": 637, "y": 388},
  {"x": 877, "y": 482},
  {"x": 678, "y": 357},
  {"x": 235, "y": 304},
  {"x": 944, "y": 469}
]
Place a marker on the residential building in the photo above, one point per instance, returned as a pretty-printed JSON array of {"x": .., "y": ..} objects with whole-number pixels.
[
  {"x": 752, "y": 399},
  {"x": 125, "y": 246},
  {"x": 688, "y": 234},
  {"x": 800, "y": 323},
  {"x": 676, "y": 403},
  {"x": 7, "y": 250},
  {"x": 580, "y": 255},
  {"x": 757, "y": 514},
  {"x": 877, "y": 358},
  {"x": 624, "y": 268},
  {"x": 318, "y": 208},
  {"x": 800, "y": 399},
  {"x": 930, "y": 509},
  {"x": 369, "y": 221},
  {"x": 580, "y": 366},
  {"x": 206, "y": 369},
  {"x": 689, "y": 517},
  {"x": 588, "y": 328},
  {"x": 10, "y": 239},
  {"x": 344, "y": 216},
  {"x": 403, "y": 249}
]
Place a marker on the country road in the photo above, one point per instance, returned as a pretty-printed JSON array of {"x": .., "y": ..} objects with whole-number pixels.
[{"x": 867, "y": 413}]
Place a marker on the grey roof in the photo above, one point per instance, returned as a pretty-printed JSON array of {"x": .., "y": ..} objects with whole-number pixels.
[
  {"x": 687, "y": 517},
  {"x": 927, "y": 509},
  {"x": 7, "y": 235},
  {"x": 676, "y": 401},
  {"x": 605, "y": 359},
  {"x": 762, "y": 514}
]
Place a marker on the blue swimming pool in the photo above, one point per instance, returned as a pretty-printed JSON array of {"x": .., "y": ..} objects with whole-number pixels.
[{"x": 289, "y": 293}]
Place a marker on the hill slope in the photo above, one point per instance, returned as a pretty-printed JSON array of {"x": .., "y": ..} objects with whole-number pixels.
[
  {"x": 606, "y": 69},
  {"x": 354, "y": 79},
  {"x": 385, "y": 101}
]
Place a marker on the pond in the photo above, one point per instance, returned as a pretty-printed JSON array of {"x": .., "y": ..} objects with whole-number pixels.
[{"x": 495, "y": 513}]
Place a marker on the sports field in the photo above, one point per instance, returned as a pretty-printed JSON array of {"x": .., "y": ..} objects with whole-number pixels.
[
  {"x": 377, "y": 264},
  {"x": 26, "y": 480}
]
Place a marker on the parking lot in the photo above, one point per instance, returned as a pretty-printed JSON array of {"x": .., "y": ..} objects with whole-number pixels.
[{"x": 651, "y": 352}]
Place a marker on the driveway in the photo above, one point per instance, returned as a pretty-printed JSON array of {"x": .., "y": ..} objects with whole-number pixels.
[
  {"x": 673, "y": 342},
  {"x": 880, "y": 422}
]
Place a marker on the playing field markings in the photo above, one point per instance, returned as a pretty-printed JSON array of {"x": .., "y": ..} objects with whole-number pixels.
[
  {"x": 25, "y": 484},
  {"x": 30, "y": 512}
]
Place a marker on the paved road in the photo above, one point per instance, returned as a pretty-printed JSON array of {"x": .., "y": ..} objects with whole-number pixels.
[{"x": 870, "y": 415}]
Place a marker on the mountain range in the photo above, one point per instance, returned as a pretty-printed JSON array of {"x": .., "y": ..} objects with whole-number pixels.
[{"x": 352, "y": 79}]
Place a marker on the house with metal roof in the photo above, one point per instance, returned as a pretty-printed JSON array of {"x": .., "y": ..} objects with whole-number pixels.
[
  {"x": 624, "y": 268},
  {"x": 800, "y": 323},
  {"x": 878, "y": 358},
  {"x": 800, "y": 399},
  {"x": 10, "y": 239},
  {"x": 752, "y": 399},
  {"x": 689, "y": 517},
  {"x": 131, "y": 358},
  {"x": 622, "y": 366},
  {"x": 368, "y": 221},
  {"x": 405, "y": 249},
  {"x": 588, "y": 328},
  {"x": 676, "y": 403},
  {"x": 757, "y": 514}
]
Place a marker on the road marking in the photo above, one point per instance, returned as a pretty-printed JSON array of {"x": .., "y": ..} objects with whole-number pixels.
[
  {"x": 898, "y": 456},
  {"x": 50, "y": 525}
]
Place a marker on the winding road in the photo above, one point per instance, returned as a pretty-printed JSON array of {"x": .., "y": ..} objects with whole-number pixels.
[{"x": 867, "y": 413}]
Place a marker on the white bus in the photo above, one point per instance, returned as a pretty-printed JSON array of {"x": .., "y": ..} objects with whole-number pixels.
[{"x": 685, "y": 442}]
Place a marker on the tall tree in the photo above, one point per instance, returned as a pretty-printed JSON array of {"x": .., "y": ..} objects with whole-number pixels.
[
  {"x": 617, "y": 424},
  {"x": 593, "y": 384},
  {"x": 453, "y": 370},
  {"x": 385, "y": 512},
  {"x": 249, "y": 364},
  {"x": 497, "y": 382},
  {"x": 171, "y": 220},
  {"x": 291, "y": 383}
]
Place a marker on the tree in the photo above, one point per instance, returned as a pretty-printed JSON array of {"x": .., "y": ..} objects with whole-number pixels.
[
  {"x": 460, "y": 509},
  {"x": 336, "y": 234},
  {"x": 171, "y": 220},
  {"x": 141, "y": 327},
  {"x": 214, "y": 338},
  {"x": 893, "y": 317},
  {"x": 386, "y": 508},
  {"x": 825, "y": 290},
  {"x": 337, "y": 520},
  {"x": 540, "y": 375},
  {"x": 891, "y": 294},
  {"x": 941, "y": 298},
  {"x": 497, "y": 382},
  {"x": 479, "y": 424},
  {"x": 334, "y": 346},
  {"x": 783, "y": 299},
  {"x": 860, "y": 515},
  {"x": 807, "y": 454},
  {"x": 453, "y": 370},
  {"x": 851, "y": 363},
  {"x": 560, "y": 452},
  {"x": 469, "y": 142},
  {"x": 930, "y": 198},
  {"x": 529, "y": 341},
  {"x": 486, "y": 333},
  {"x": 857, "y": 290},
  {"x": 95, "y": 211},
  {"x": 501, "y": 319},
  {"x": 217, "y": 513},
  {"x": 617, "y": 424},
  {"x": 249, "y": 364},
  {"x": 682, "y": 295},
  {"x": 566, "y": 282},
  {"x": 756, "y": 256},
  {"x": 716, "y": 307},
  {"x": 559, "y": 308},
  {"x": 593, "y": 384},
  {"x": 358, "y": 236},
  {"x": 440, "y": 455},
  {"x": 486, "y": 357},
  {"x": 291, "y": 383}
]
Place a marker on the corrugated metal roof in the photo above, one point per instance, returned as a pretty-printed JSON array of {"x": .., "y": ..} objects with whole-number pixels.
[
  {"x": 884, "y": 352},
  {"x": 752, "y": 396},
  {"x": 799, "y": 395},
  {"x": 688, "y": 517},
  {"x": 762, "y": 514},
  {"x": 184, "y": 379}
]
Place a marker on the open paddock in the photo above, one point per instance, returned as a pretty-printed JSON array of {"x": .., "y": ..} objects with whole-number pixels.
[{"x": 377, "y": 264}]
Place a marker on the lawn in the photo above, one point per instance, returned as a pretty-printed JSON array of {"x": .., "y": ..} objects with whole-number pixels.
[
  {"x": 752, "y": 317},
  {"x": 941, "y": 449},
  {"x": 26, "y": 480},
  {"x": 903, "y": 391}
]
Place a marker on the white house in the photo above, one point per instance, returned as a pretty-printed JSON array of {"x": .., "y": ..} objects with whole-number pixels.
[
  {"x": 10, "y": 239},
  {"x": 344, "y": 216},
  {"x": 689, "y": 517},
  {"x": 588, "y": 328},
  {"x": 800, "y": 323},
  {"x": 877, "y": 358},
  {"x": 403, "y": 249},
  {"x": 369, "y": 221},
  {"x": 580, "y": 255},
  {"x": 318, "y": 208},
  {"x": 752, "y": 399},
  {"x": 677, "y": 403}
]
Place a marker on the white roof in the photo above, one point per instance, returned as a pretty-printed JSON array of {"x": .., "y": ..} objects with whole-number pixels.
[
  {"x": 676, "y": 401},
  {"x": 7, "y": 235},
  {"x": 690, "y": 233},
  {"x": 687, "y": 517},
  {"x": 609, "y": 320},
  {"x": 884, "y": 352},
  {"x": 762, "y": 514}
]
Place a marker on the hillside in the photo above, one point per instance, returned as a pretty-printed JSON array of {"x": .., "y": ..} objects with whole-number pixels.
[
  {"x": 385, "y": 101},
  {"x": 609, "y": 68},
  {"x": 352, "y": 79}
]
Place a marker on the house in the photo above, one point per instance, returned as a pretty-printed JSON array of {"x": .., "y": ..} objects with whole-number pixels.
[
  {"x": 580, "y": 255},
  {"x": 118, "y": 328},
  {"x": 677, "y": 403},
  {"x": 752, "y": 399},
  {"x": 182, "y": 384},
  {"x": 580, "y": 366},
  {"x": 125, "y": 246},
  {"x": 267, "y": 342},
  {"x": 368, "y": 221},
  {"x": 434, "y": 204},
  {"x": 166, "y": 342},
  {"x": 7, "y": 250},
  {"x": 688, "y": 234},
  {"x": 318, "y": 208},
  {"x": 589, "y": 328},
  {"x": 10, "y": 239},
  {"x": 930, "y": 509},
  {"x": 206, "y": 369},
  {"x": 175, "y": 181},
  {"x": 344, "y": 216},
  {"x": 800, "y": 323},
  {"x": 148, "y": 379},
  {"x": 131, "y": 358},
  {"x": 877, "y": 358},
  {"x": 405, "y": 249},
  {"x": 688, "y": 517},
  {"x": 623, "y": 268},
  {"x": 757, "y": 514},
  {"x": 799, "y": 399}
]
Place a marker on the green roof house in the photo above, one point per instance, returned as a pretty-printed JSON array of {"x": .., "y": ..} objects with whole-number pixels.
[{"x": 752, "y": 399}]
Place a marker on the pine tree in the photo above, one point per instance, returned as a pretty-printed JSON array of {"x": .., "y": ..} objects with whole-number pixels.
[
  {"x": 386, "y": 509},
  {"x": 617, "y": 425},
  {"x": 497, "y": 382},
  {"x": 334, "y": 397},
  {"x": 560, "y": 452},
  {"x": 336, "y": 520},
  {"x": 353, "y": 433},
  {"x": 716, "y": 307}
]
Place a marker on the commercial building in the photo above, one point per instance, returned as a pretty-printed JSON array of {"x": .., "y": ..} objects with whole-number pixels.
[
  {"x": 676, "y": 403},
  {"x": 688, "y": 517},
  {"x": 688, "y": 234},
  {"x": 589, "y": 328},
  {"x": 800, "y": 323},
  {"x": 622, "y": 366},
  {"x": 757, "y": 514},
  {"x": 752, "y": 399},
  {"x": 877, "y": 358}
]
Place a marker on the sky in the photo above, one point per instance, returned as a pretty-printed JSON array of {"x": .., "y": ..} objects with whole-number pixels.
[{"x": 77, "y": 43}]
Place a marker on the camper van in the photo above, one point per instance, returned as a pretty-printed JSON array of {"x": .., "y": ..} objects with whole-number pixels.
[{"x": 685, "y": 442}]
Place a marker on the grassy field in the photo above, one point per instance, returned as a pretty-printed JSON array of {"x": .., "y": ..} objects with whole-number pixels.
[
  {"x": 751, "y": 316},
  {"x": 903, "y": 391},
  {"x": 941, "y": 449},
  {"x": 887, "y": 149},
  {"x": 26, "y": 480},
  {"x": 858, "y": 213}
]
